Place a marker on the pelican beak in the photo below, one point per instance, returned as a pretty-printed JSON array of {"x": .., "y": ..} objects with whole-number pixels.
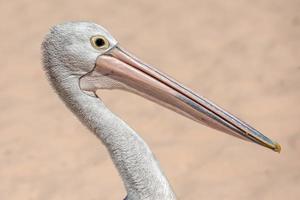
[{"x": 129, "y": 73}]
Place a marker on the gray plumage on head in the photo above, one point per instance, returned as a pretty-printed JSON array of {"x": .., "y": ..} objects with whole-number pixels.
[
  {"x": 68, "y": 45},
  {"x": 67, "y": 54}
]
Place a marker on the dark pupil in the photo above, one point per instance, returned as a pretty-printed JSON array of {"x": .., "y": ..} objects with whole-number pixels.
[{"x": 99, "y": 42}]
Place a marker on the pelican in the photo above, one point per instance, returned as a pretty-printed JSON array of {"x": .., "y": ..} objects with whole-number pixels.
[{"x": 80, "y": 58}]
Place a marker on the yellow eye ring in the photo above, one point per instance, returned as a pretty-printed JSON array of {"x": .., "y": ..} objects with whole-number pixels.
[{"x": 99, "y": 42}]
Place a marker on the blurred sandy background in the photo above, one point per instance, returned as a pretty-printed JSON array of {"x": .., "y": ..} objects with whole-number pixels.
[{"x": 242, "y": 54}]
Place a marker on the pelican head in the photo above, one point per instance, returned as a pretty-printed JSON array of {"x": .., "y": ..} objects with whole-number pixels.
[{"x": 90, "y": 56}]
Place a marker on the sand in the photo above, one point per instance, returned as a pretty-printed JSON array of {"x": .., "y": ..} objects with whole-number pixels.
[{"x": 243, "y": 55}]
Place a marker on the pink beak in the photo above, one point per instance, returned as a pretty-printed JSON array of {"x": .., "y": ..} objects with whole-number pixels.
[{"x": 129, "y": 73}]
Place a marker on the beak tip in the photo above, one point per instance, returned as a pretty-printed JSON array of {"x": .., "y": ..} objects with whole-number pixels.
[{"x": 277, "y": 147}]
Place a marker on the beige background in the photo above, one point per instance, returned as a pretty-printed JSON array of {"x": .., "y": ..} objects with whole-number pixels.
[{"x": 242, "y": 54}]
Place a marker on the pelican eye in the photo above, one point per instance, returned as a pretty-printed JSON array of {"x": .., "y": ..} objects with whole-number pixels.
[{"x": 99, "y": 42}]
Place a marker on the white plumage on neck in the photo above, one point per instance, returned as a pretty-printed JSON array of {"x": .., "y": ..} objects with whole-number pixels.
[{"x": 131, "y": 155}]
